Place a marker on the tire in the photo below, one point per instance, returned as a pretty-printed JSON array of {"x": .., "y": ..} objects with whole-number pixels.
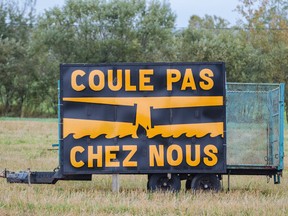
[
  {"x": 161, "y": 182},
  {"x": 206, "y": 182}
]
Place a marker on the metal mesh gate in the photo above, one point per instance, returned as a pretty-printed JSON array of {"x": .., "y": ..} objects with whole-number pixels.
[{"x": 253, "y": 124}]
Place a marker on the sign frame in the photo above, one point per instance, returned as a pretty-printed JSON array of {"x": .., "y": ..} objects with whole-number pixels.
[{"x": 169, "y": 147}]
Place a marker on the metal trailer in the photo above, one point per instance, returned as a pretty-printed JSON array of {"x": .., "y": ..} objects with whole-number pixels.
[
  {"x": 255, "y": 129},
  {"x": 247, "y": 112}
]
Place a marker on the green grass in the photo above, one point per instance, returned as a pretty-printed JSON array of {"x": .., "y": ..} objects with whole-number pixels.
[{"x": 26, "y": 144}]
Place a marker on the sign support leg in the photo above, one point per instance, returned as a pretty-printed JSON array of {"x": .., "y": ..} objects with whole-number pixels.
[{"x": 115, "y": 183}]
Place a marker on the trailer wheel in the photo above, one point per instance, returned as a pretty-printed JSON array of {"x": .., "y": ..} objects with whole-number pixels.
[
  {"x": 162, "y": 182},
  {"x": 206, "y": 182}
]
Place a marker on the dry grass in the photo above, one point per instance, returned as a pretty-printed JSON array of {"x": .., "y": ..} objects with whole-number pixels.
[{"x": 24, "y": 144}]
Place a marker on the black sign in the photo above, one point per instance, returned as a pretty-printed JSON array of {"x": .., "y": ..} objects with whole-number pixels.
[{"x": 143, "y": 118}]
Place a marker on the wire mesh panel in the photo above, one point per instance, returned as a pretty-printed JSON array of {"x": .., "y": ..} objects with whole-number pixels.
[{"x": 253, "y": 124}]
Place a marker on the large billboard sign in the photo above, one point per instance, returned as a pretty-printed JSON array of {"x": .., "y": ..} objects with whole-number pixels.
[{"x": 143, "y": 118}]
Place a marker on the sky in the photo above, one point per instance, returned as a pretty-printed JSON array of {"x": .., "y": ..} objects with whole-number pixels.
[{"x": 184, "y": 9}]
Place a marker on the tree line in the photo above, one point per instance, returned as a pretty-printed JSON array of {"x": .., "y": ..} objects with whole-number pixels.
[{"x": 101, "y": 31}]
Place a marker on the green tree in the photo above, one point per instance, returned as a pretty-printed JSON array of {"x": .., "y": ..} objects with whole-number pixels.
[
  {"x": 210, "y": 39},
  {"x": 267, "y": 32},
  {"x": 108, "y": 31},
  {"x": 99, "y": 31},
  {"x": 155, "y": 32},
  {"x": 16, "y": 22}
]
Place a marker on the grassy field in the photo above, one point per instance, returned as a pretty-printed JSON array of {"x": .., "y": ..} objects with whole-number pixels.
[{"x": 27, "y": 144}]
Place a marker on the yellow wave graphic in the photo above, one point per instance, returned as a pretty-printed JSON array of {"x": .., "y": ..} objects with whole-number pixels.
[
  {"x": 94, "y": 128},
  {"x": 198, "y": 130}
]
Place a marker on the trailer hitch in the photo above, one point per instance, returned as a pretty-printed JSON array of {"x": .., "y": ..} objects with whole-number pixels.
[
  {"x": 17, "y": 177},
  {"x": 31, "y": 177},
  {"x": 28, "y": 177}
]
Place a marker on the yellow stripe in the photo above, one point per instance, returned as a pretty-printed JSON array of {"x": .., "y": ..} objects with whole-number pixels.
[{"x": 155, "y": 102}]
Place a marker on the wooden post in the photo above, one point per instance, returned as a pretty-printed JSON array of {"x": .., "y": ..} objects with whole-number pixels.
[{"x": 115, "y": 183}]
